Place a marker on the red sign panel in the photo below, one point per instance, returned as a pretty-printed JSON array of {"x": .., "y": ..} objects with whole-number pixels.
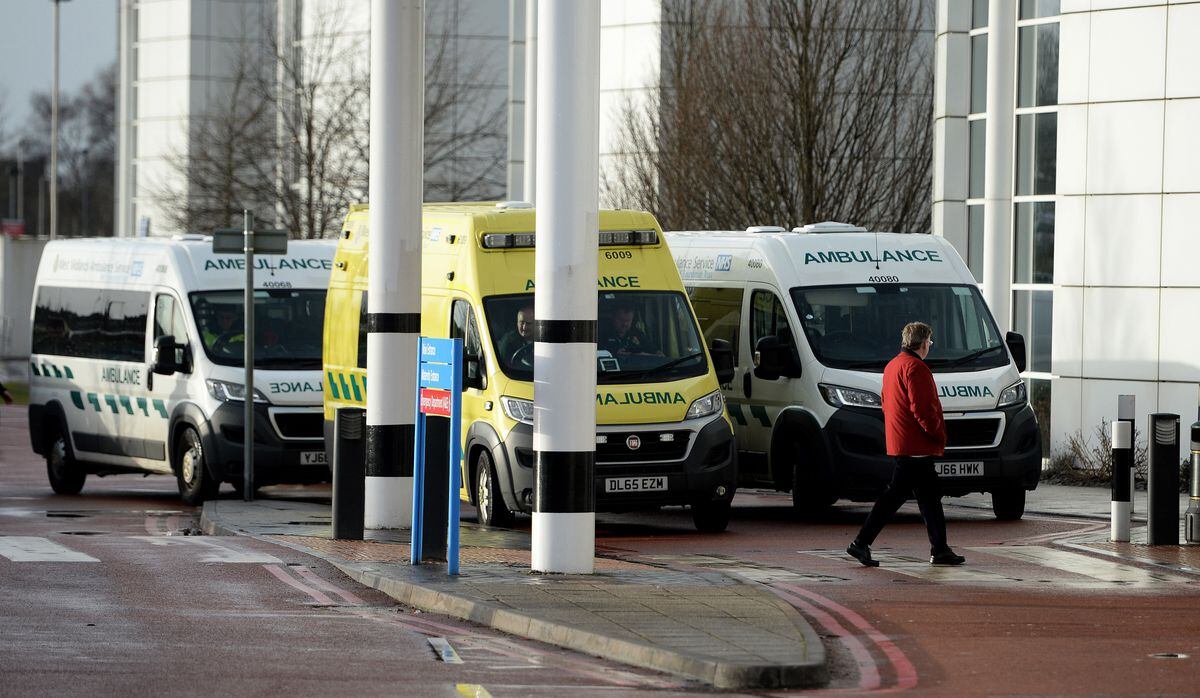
[
  {"x": 435, "y": 402},
  {"x": 13, "y": 227}
]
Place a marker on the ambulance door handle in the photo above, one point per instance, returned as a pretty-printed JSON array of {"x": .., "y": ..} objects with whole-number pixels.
[{"x": 746, "y": 383}]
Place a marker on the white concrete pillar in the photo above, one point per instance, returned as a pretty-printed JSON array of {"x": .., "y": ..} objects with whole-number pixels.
[
  {"x": 517, "y": 107},
  {"x": 394, "y": 284},
  {"x": 564, "y": 405},
  {"x": 998, "y": 156},
  {"x": 531, "y": 109}
]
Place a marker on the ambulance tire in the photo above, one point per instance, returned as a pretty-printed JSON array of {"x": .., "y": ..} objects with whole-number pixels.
[
  {"x": 1008, "y": 504},
  {"x": 711, "y": 517},
  {"x": 196, "y": 483},
  {"x": 489, "y": 501},
  {"x": 813, "y": 494},
  {"x": 65, "y": 474}
]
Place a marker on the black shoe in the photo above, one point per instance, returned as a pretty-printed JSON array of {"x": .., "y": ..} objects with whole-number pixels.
[
  {"x": 862, "y": 553},
  {"x": 946, "y": 557}
]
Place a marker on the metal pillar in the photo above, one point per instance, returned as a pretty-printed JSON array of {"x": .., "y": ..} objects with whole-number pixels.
[
  {"x": 566, "y": 261},
  {"x": 998, "y": 165},
  {"x": 394, "y": 285},
  {"x": 529, "y": 188},
  {"x": 1162, "y": 484},
  {"x": 54, "y": 132},
  {"x": 1191, "y": 519}
]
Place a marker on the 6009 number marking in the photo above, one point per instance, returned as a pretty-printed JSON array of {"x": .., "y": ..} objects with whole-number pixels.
[
  {"x": 884, "y": 279},
  {"x": 618, "y": 254}
]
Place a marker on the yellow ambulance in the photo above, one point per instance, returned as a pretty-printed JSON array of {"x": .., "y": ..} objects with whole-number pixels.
[{"x": 663, "y": 435}]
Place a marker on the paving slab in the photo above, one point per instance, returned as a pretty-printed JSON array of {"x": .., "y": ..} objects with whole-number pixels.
[{"x": 726, "y": 631}]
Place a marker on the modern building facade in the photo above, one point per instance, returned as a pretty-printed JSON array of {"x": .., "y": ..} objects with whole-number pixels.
[{"x": 1067, "y": 172}]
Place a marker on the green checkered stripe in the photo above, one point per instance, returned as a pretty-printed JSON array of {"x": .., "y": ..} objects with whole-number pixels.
[
  {"x": 118, "y": 403},
  {"x": 347, "y": 386},
  {"x": 756, "y": 412},
  {"x": 49, "y": 370}
]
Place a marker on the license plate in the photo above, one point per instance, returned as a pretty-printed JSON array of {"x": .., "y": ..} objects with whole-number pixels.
[
  {"x": 656, "y": 483},
  {"x": 960, "y": 469},
  {"x": 312, "y": 458}
]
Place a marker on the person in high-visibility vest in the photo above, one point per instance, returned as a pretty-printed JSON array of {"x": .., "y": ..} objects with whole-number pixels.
[{"x": 228, "y": 330}]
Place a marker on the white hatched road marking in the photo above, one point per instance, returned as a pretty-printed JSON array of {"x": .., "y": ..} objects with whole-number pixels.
[
  {"x": 35, "y": 549},
  {"x": 213, "y": 551},
  {"x": 921, "y": 569},
  {"x": 1106, "y": 571}
]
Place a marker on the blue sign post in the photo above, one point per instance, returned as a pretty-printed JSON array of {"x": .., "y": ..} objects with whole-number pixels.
[{"x": 439, "y": 393}]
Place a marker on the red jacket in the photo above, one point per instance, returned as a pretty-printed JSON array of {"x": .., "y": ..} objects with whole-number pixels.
[{"x": 912, "y": 413}]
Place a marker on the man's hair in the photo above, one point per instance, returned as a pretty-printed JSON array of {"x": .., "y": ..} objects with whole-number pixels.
[{"x": 914, "y": 335}]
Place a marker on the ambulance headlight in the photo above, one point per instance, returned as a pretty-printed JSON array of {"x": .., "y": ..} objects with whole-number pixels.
[
  {"x": 231, "y": 392},
  {"x": 517, "y": 410},
  {"x": 708, "y": 405},
  {"x": 1014, "y": 394},
  {"x": 840, "y": 396}
]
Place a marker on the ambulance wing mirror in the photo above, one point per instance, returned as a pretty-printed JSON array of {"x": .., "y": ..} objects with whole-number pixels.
[
  {"x": 1016, "y": 345},
  {"x": 773, "y": 359},
  {"x": 473, "y": 372},
  {"x": 169, "y": 356},
  {"x": 722, "y": 358}
]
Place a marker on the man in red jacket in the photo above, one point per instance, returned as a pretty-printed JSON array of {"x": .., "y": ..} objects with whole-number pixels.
[{"x": 915, "y": 434}]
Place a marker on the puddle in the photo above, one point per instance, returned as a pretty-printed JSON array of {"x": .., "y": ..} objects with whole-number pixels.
[{"x": 82, "y": 533}]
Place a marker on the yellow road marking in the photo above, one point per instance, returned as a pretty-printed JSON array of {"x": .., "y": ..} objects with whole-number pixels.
[{"x": 473, "y": 690}]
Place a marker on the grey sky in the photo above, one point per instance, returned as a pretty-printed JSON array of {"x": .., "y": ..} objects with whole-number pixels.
[{"x": 88, "y": 42}]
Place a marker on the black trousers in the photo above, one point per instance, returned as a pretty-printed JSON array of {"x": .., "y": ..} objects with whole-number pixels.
[{"x": 912, "y": 474}]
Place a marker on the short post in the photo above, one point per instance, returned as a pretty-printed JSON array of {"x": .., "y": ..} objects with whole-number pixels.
[
  {"x": 248, "y": 360},
  {"x": 349, "y": 460},
  {"x": 1126, "y": 412},
  {"x": 1122, "y": 464},
  {"x": 1191, "y": 520},
  {"x": 1162, "y": 512}
]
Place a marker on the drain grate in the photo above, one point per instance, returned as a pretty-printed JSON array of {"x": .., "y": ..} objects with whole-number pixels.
[{"x": 1168, "y": 655}]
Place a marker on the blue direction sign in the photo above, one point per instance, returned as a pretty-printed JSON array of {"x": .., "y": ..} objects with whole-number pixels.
[{"x": 439, "y": 393}]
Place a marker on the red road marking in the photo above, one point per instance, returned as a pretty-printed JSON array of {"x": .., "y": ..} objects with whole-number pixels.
[
  {"x": 868, "y": 672},
  {"x": 283, "y": 577},
  {"x": 906, "y": 673},
  {"x": 348, "y": 596}
]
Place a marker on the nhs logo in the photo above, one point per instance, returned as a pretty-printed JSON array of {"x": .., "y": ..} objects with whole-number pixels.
[{"x": 724, "y": 262}]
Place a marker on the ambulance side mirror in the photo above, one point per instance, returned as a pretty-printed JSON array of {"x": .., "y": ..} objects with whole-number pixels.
[
  {"x": 722, "y": 358},
  {"x": 169, "y": 356},
  {"x": 473, "y": 372},
  {"x": 773, "y": 359},
  {"x": 1016, "y": 345}
]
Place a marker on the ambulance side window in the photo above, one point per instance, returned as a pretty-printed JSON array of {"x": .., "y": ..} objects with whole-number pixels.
[
  {"x": 464, "y": 327},
  {"x": 168, "y": 320},
  {"x": 768, "y": 317},
  {"x": 719, "y": 311},
  {"x": 362, "y": 332}
]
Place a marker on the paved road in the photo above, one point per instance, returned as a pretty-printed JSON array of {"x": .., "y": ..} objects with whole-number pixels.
[{"x": 104, "y": 595}]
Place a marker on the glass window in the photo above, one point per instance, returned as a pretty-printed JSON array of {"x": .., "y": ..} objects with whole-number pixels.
[
  {"x": 91, "y": 323},
  {"x": 287, "y": 327},
  {"x": 768, "y": 318},
  {"x": 979, "y": 13},
  {"x": 979, "y": 46},
  {"x": 1033, "y": 243},
  {"x": 168, "y": 320},
  {"x": 1039, "y": 399},
  {"x": 976, "y": 156},
  {"x": 975, "y": 241},
  {"x": 1037, "y": 154},
  {"x": 1033, "y": 318},
  {"x": 641, "y": 337},
  {"x": 362, "y": 332},
  {"x": 1032, "y": 9},
  {"x": 860, "y": 326},
  {"x": 464, "y": 327},
  {"x": 1037, "y": 66},
  {"x": 719, "y": 311}
]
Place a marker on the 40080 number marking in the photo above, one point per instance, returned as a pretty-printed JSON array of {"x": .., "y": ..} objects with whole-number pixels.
[{"x": 884, "y": 279}]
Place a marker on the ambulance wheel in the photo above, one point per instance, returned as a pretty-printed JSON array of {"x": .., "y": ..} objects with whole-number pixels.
[
  {"x": 711, "y": 517},
  {"x": 196, "y": 484},
  {"x": 65, "y": 475},
  {"x": 489, "y": 502},
  {"x": 1009, "y": 504}
]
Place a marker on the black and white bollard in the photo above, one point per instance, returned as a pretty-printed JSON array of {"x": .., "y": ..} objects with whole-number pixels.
[
  {"x": 1127, "y": 412},
  {"x": 1162, "y": 511},
  {"x": 349, "y": 456},
  {"x": 1191, "y": 520},
  {"x": 1122, "y": 465},
  {"x": 566, "y": 261},
  {"x": 394, "y": 285}
]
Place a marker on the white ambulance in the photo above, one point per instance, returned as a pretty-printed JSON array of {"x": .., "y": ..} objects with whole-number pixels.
[
  {"x": 814, "y": 314},
  {"x": 137, "y": 362}
]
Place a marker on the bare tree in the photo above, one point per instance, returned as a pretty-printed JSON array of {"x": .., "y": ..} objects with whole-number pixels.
[
  {"x": 290, "y": 138},
  {"x": 785, "y": 112}
]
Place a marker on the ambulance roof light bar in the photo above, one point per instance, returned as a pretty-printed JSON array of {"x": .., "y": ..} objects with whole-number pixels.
[
  {"x": 608, "y": 238},
  {"x": 829, "y": 227}
]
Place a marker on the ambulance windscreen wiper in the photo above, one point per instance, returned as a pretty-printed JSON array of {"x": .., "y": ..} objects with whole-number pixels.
[
  {"x": 966, "y": 358},
  {"x": 663, "y": 366}
]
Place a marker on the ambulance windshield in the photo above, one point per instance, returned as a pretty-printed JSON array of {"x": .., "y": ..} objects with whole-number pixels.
[
  {"x": 287, "y": 327},
  {"x": 641, "y": 337},
  {"x": 859, "y": 326}
]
